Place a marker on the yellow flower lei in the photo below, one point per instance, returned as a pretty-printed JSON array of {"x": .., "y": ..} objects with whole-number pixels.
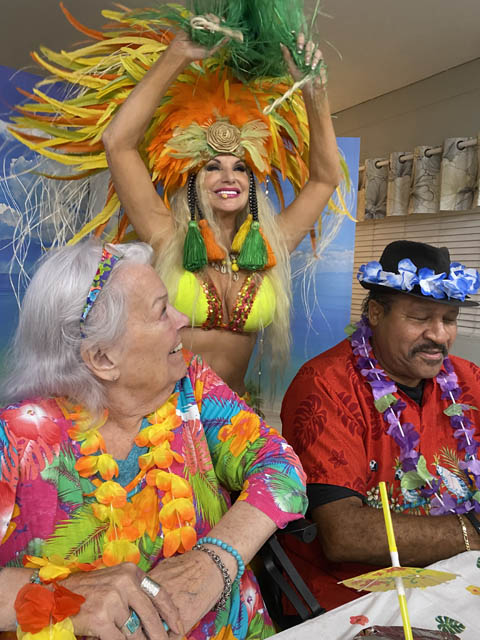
[{"x": 128, "y": 520}]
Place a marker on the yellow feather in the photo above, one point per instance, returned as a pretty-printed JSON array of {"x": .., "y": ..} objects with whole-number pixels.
[{"x": 105, "y": 214}]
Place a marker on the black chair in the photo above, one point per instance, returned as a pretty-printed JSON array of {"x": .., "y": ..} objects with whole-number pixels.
[{"x": 278, "y": 576}]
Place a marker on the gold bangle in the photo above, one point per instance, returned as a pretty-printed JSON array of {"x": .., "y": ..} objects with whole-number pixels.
[{"x": 464, "y": 532}]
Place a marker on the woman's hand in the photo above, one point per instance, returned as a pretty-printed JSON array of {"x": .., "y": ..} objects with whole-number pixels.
[
  {"x": 193, "y": 582},
  {"x": 110, "y": 595},
  {"x": 183, "y": 47},
  {"x": 313, "y": 57}
]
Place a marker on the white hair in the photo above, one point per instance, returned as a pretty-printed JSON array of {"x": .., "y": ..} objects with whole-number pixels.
[{"x": 45, "y": 357}]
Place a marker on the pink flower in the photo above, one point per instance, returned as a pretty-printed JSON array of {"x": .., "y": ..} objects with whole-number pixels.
[{"x": 251, "y": 594}]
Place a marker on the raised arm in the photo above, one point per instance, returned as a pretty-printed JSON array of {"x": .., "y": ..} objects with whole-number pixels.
[
  {"x": 144, "y": 207},
  {"x": 325, "y": 174}
]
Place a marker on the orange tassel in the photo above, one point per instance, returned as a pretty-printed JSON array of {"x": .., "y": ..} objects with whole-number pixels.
[
  {"x": 271, "y": 259},
  {"x": 214, "y": 252}
]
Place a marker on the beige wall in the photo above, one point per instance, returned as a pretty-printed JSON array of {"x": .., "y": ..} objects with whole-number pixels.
[{"x": 445, "y": 105}]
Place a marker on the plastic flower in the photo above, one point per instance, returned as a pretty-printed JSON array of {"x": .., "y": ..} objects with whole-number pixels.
[
  {"x": 104, "y": 464},
  {"x": 359, "y": 620},
  {"x": 50, "y": 569},
  {"x": 59, "y": 631},
  {"x": 35, "y": 606},
  {"x": 162, "y": 456},
  {"x": 118, "y": 551},
  {"x": 111, "y": 493},
  {"x": 244, "y": 428},
  {"x": 432, "y": 284},
  {"x": 155, "y": 434},
  {"x": 173, "y": 485},
  {"x": 145, "y": 506},
  {"x": 178, "y": 540},
  {"x": 177, "y": 511}
]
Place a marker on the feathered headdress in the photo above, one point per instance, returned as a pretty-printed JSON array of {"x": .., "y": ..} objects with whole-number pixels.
[{"x": 214, "y": 107}]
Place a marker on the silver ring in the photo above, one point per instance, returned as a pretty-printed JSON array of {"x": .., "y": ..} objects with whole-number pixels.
[
  {"x": 151, "y": 588},
  {"x": 132, "y": 623}
]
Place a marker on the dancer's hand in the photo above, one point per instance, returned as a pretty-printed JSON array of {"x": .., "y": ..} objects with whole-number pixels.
[
  {"x": 313, "y": 58},
  {"x": 183, "y": 47}
]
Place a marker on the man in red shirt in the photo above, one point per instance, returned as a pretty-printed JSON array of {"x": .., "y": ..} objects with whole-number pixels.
[{"x": 389, "y": 404}]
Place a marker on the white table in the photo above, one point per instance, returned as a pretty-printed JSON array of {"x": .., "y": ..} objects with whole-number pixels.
[{"x": 451, "y": 599}]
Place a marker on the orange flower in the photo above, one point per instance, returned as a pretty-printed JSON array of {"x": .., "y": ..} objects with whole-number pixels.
[
  {"x": 178, "y": 540},
  {"x": 153, "y": 435},
  {"x": 104, "y": 464},
  {"x": 173, "y": 485},
  {"x": 53, "y": 568},
  {"x": 244, "y": 428},
  {"x": 35, "y": 605},
  {"x": 167, "y": 413},
  {"x": 118, "y": 551},
  {"x": 177, "y": 512},
  {"x": 145, "y": 506},
  {"x": 162, "y": 456},
  {"x": 111, "y": 493}
]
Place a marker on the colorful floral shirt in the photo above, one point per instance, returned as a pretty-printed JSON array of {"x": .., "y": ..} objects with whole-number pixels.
[
  {"x": 330, "y": 419},
  {"x": 219, "y": 446}
]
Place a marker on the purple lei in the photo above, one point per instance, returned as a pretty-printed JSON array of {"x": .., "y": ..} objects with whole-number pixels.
[{"x": 391, "y": 407}]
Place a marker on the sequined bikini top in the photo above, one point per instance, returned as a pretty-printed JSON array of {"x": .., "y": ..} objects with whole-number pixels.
[{"x": 199, "y": 300}]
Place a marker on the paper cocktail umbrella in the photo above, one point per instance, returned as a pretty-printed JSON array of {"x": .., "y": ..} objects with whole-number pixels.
[{"x": 397, "y": 577}]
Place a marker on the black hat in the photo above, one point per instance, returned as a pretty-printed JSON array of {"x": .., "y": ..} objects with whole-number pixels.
[{"x": 388, "y": 274}]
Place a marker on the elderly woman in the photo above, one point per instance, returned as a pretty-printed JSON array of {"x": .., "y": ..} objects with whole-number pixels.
[{"x": 119, "y": 453}]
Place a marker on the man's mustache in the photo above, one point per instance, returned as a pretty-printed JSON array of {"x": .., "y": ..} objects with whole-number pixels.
[{"x": 430, "y": 346}]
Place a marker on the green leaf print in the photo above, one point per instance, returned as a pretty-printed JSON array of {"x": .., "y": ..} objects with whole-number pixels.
[
  {"x": 80, "y": 538},
  {"x": 478, "y": 562},
  {"x": 449, "y": 624},
  {"x": 411, "y": 480},
  {"x": 257, "y": 630},
  {"x": 63, "y": 475}
]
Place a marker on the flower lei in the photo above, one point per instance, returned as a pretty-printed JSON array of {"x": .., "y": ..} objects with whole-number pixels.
[
  {"x": 45, "y": 615},
  {"x": 416, "y": 475},
  {"x": 460, "y": 281},
  {"x": 127, "y": 521}
]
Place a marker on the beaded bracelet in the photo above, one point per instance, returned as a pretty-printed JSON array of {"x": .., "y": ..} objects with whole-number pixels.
[
  {"x": 227, "y": 581},
  {"x": 230, "y": 549},
  {"x": 464, "y": 532}
]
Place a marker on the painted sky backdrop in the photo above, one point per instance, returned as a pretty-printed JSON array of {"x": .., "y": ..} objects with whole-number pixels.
[{"x": 322, "y": 293}]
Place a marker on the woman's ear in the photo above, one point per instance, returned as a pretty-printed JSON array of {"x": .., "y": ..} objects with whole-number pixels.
[{"x": 102, "y": 363}]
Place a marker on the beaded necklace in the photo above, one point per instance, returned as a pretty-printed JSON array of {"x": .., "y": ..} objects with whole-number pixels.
[
  {"x": 165, "y": 498},
  {"x": 416, "y": 476}
]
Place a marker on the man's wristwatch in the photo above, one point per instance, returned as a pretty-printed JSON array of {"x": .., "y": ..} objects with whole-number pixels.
[{"x": 473, "y": 520}]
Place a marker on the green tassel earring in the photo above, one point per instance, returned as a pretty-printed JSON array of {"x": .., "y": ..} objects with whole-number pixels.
[
  {"x": 253, "y": 254},
  {"x": 194, "y": 251}
]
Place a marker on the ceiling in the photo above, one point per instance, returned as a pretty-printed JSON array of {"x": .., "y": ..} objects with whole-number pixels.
[{"x": 384, "y": 44}]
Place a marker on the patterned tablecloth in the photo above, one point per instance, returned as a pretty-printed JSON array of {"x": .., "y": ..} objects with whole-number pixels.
[{"x": 452, "y": 606}]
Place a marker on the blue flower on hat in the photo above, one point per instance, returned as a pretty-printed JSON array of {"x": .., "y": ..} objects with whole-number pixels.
[{"x": 431, "y": 283}]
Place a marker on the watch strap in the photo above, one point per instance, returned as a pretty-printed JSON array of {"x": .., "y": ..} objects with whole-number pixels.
[{"x": 474, "y": 521}]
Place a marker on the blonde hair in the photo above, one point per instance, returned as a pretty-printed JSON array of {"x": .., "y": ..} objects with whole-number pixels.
[{"x": 276, "y": 344}]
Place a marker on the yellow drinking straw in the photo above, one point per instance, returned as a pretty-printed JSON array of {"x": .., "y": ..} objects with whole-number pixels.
[{"x": 392, "y": 545}]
